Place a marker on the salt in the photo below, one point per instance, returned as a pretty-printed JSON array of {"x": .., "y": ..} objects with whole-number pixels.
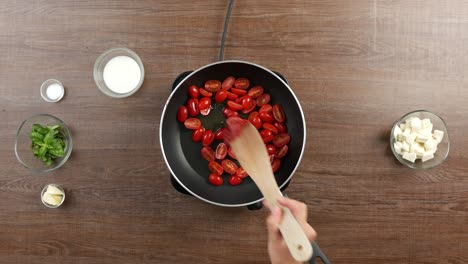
[
  {"x": 122, "y": 74},
  {"x": 54, "y": 91}
]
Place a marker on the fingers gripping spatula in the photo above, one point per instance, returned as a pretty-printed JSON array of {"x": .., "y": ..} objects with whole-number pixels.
[{"x": 252, "y": 155}]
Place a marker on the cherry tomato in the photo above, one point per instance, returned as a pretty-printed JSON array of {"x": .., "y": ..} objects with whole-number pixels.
[
  {"x": 246, "y": 111},
  {"x": 208, "y": 153},
  {"x": 205, "y": 112},
  {"x": 215, "y": 179},
  {"x": 231, "y": 153},
  {"x": 229, "y": 166},
  {"x": 275, "y": 165},
  {"x": 234, "y": 106},
  {"x": 281, "y": 139},
  {"x": 234, "y": 180},
  {"x": 271, "y": 149},
  {"x": 192, "y": 107},
  {"x": 215, "y": 167},
  {"x": 182, "y": 113},
  {"x": 272, "y": 157},
  {"x": 227, "y": 112},
  {"x": 281, "y": 127},
  {"x": 247, "y": 102},
  {"x": 212, "y": 86},
  {"x": 198, "y": 134},
  {"x": 238, "y": 91},
  {"x": 255, "y": 120},
  {"x": 278, "y": 113},
  {"x": 204, "y": 103},
  {"x": 193, "y": 91},
  {"x": 267, "y": 135},
  {"x": 239, "y": 100},
  {"x": 219, "y": 134},
  {"x": 263, "y": 100},
  {"x": 256, "y": 91},
  {"x": 242, "y": 83},
  {"x": 205, "y": 93},
  {"x": 221, "y": 95},
  {"x": 232, "y": 96},
  {"x": 192, "y": 123},
  {"x": 241, "y": 173},
  {"x": 207, "y": 138},
  {"x": 265, "y": 117},
  {"x": 281, "y": 152},
  {"x": 270, "y": 127},
  {"x": 221, "y": 151},
  {"x": 265, "y": 108},
  {"x": 228, "y": 83}
]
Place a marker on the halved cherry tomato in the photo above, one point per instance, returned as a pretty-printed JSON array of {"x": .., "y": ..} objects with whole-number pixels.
[
  {"x": 281, "y": 127},
  {"x": 266, "y": 117},
  {"x": 242, "y": 83},
  {"x": 221, "y": 151},
  {"x": 207, "y": 138},
  {"x": 247, "y": 102},
  {"x": 255, "y": 120},
  {"x": 208, "y": 153},
  {"x": 234, "y": 106},
  {"x": 238, "y": 91},
  {"x": 192, "y": 106},
  {"x": 205, "y": 112},
  {"x": 241, "y": 173},
  {"x": 280, "y": 153},
  {"x": 215, "y": 167},
  {"x": 193, "y": 91},
  {"x": 192, "y": 123},
  {"x": 219, "y": 134},
  {"x": 263, "y": 100},
  {"x": 270, "y": 127},
  {"x": 215, "y": 179},
  {"x": 272, "y": 157},
  {"x": 212, "y": 86},
  {"x": 182, "y": 113},
  {"x": 271, "y": 149},
  {"x": 266, "y": 108},
  {"x": 229, "y": 166},
  {"x": 234, "y": 180},
  {"x": 204, "y": 103},
  {"x": 281, "y": 139},
  {"x": 239, "y": 100},
  {"x": 228, "y": 83},
  {"x": 275, "y": 165},
  {"x": 231, "y": 153},
  {"x": 221, "y": 95},
  {"x": 246, "y": 111},
  {"x": 267, "y": 135},
  {"x": 256, "y": 91},
  {"x": 227, "y": 112},
  {"x": 198, "y": 134},
  {"x": 278, "y": 113},
  {"x": 205, "y": 93},
  {"x": 232, "y": 96}
]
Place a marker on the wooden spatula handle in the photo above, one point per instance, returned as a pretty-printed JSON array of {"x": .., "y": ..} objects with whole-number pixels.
[{"x": 298, "y": 244}]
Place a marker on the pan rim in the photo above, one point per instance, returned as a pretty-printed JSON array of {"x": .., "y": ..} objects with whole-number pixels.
[{"x": 164, "y": 113}]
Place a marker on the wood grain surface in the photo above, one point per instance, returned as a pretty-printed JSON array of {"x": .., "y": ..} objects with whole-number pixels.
[{"x": 356, "y": 67}]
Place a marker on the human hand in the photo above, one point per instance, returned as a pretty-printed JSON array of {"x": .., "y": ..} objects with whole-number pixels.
[{"x": 277, "y": 249}]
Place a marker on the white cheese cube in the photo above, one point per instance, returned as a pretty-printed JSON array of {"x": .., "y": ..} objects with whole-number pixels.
[
  {"x": 426, "y": 122},
  {"x": 430, "y": 145},
  {"x": 408, "y": 122},
  {"x": 402, "y": 126},
  {"x": 398, "y": 147},
  {"x": 438, "y": 135},
  {"x": 422, "y": 137},
  {"x": 427, "y": 157},
  {"x": 397, "y": 131},
  {"x": 411, "y": 138},
  {"x": 416, "y": 124},
  {"x": 405, "y": 147},
  {"x": 409, "y": 156}
]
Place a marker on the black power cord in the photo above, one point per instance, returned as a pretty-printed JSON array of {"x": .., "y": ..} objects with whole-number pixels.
[{"x": 226, "y": 23}]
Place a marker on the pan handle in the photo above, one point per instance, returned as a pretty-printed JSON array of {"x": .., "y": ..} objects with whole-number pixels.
[{"x": 318, "y": 254}]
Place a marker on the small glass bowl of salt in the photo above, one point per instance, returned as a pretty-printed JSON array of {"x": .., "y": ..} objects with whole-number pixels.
[
  {"x": 119, "y": 72},
  {"x": 52, "y": 91}
]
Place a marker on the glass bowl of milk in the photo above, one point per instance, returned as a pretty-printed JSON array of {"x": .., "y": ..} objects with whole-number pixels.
[{"x": 119, "y": 72}]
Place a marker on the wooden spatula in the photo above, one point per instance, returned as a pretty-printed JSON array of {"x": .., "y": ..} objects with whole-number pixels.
[{"x": 252, "y": 155}]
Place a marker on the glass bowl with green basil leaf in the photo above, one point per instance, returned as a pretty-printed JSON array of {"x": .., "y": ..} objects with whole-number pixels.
[{"x": 43, "y": 143}]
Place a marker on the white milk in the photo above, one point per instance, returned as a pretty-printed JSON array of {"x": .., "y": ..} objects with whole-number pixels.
[
  {"x": 122, "y": 74},
  {"x": 54, "y": 91}
]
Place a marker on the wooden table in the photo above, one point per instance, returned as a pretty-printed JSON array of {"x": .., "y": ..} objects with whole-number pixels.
[{"x": 356, "y": 66}]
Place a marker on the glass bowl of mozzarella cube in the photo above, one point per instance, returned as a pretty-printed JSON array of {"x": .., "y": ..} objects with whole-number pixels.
[{"x": 420, "y": 140}]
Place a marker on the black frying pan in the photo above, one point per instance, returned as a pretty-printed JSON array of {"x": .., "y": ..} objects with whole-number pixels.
[{"x": 183, "y": 157}]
